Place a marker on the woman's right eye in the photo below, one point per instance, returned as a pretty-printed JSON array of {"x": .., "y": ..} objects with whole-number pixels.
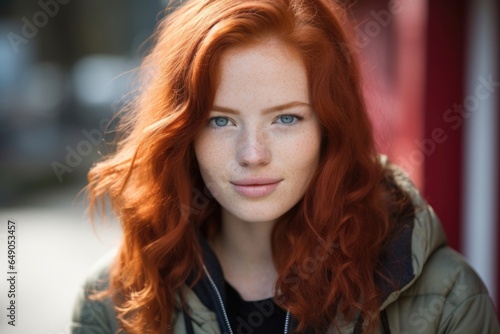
[{"x": 218, "y": 121}]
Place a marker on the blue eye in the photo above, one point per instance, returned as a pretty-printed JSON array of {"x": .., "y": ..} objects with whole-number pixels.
[
  {"x": 219, "y": 121},
  {"x": 287, "y": 119}
]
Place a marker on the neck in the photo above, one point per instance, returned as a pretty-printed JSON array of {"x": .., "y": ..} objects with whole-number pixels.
[{"x": 244, "y": 251}]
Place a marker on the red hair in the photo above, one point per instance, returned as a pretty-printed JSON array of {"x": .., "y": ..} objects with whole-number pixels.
[{"x": 154, "y": 184}]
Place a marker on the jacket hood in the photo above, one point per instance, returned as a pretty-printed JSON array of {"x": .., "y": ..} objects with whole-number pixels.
[{"x": 407, "y": 253}]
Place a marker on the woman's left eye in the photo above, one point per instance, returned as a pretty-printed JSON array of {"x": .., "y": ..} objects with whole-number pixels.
[{"x": 288, "y": 119}]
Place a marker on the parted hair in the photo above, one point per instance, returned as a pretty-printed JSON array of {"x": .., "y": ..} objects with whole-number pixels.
[{"x": 154, "y": 184}]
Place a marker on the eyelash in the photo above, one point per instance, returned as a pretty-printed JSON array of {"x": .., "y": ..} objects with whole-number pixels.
[{"x": 297, "y": 119}]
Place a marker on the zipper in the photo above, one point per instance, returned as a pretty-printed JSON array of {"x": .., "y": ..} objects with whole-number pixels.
[
  {"x": 287, "y": 320},
  {"x": 212, "y": 283},
  {"x": 220, "y": 299}
]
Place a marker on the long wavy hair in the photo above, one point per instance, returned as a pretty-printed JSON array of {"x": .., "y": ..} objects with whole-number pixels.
[{"x": 155, "y": 188}]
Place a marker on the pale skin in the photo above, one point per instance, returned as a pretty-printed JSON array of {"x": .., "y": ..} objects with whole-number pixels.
[{"x": 257, "y": 155}]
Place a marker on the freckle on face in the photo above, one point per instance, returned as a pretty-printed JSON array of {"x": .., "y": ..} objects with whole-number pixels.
[{"x": 254, "y": 144}]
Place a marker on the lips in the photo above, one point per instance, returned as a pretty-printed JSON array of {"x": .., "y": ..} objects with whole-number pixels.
[{"x": 257, "y": 187}]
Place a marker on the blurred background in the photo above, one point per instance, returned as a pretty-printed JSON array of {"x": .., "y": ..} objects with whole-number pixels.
[{"x": 431, "y": 80}]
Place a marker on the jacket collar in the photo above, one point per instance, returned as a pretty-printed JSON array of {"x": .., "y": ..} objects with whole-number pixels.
[{"x": 395, "y": 262}]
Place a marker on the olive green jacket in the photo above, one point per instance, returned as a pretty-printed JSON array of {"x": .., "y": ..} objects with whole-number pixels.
[{"x": 438, "y": 291}]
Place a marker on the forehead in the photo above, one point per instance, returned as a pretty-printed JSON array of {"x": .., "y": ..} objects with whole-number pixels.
[{"x": 261, "y": 73}]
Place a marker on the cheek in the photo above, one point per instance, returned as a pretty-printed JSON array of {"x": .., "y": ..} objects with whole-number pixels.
[
  {"x": 210, "y": 157},
  {"x": 307, "y": 153}
]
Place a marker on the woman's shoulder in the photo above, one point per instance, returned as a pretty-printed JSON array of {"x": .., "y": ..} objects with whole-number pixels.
[
  {"x": 95, "y": 315},
  {"x": 446, "y": 273},
  {"x": 98, "y": 316},
  {"x": 448, "y": 296}
]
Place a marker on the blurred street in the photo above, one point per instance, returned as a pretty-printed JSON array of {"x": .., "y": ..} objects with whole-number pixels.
[{"x": 56, "y": 246}]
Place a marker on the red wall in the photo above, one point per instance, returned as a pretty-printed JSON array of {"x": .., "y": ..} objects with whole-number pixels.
[{"x": 444, "y": 90}]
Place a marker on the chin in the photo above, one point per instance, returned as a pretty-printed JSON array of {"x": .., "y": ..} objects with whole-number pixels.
[{"x": 257, "y": 215}]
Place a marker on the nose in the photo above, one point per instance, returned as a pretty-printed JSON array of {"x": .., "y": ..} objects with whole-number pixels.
[{"x": 253, "y": 148}]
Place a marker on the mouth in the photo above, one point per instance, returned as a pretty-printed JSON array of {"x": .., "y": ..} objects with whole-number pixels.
[{"x": 255, "y": 188}]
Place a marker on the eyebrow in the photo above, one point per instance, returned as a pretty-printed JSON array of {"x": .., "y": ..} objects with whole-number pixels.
[{"x": 265, "y": 111}]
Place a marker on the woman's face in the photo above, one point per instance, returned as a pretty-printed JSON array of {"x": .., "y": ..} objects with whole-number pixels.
[{"x": 261, "y": 145}]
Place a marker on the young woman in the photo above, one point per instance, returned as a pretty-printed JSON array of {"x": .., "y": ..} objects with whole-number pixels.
[{"x": 251, "y": 196}]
